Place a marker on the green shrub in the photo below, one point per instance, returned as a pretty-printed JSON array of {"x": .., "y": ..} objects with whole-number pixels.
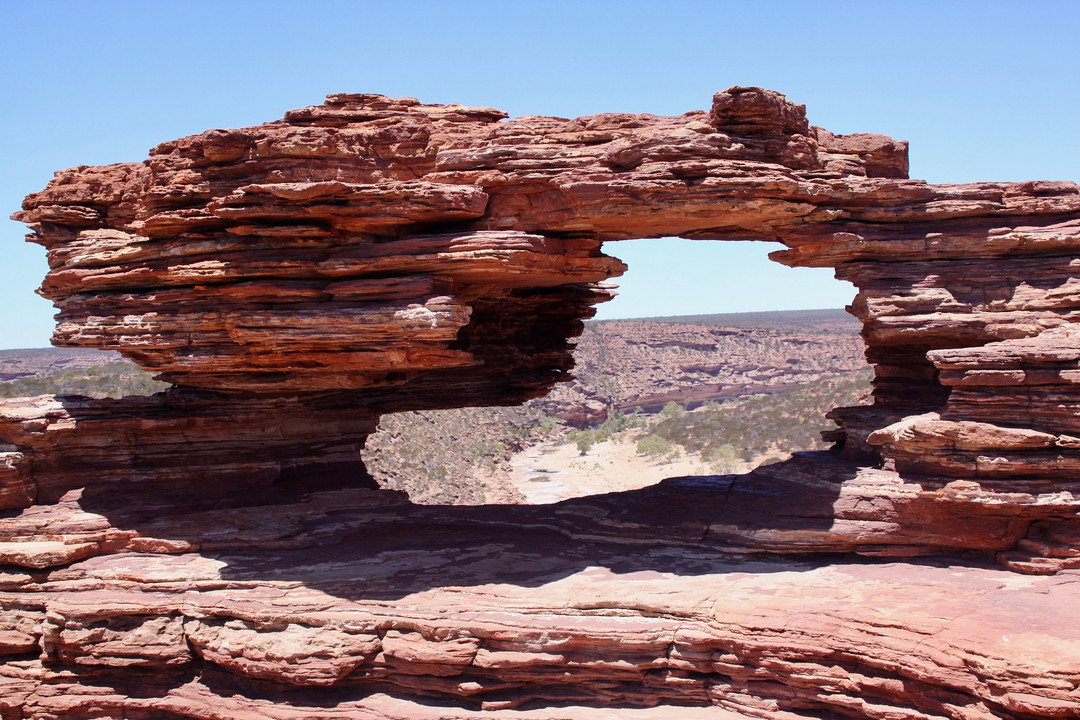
[
  {"x": 722, "y": 459},
  {"x": 672, "y": 410},
  {"x": 585, "y": 440},
  {"x": 547, "y": 425},
  {"x": 654, "y": 446}
]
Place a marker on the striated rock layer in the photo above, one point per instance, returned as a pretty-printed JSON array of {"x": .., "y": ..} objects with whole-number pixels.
[
  {"x": 219, "y": 550},
  {"x": 353, "y": 604}
]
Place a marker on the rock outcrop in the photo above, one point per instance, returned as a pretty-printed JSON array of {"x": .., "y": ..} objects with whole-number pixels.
[
  {"x": 219, "y": 550},
  {"x": 353, "y": 604}
]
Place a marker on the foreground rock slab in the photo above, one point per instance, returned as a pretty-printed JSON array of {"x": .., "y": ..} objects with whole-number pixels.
[{"x": 357, "y": 604}]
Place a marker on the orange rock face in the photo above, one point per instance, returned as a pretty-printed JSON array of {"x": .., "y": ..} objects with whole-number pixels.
[{"x": 219, "y": 551}]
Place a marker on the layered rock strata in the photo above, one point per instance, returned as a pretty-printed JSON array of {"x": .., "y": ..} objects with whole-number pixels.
[
  {"x": 193, "y": 448},
  {"x": 218, "y": 550},
  {"x": 352, "y": 604}
]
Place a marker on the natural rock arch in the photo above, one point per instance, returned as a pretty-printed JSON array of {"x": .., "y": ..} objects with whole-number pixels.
[{"x": 299, "y": 278}]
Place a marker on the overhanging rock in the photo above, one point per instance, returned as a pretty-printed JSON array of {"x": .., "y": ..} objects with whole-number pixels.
[{"x": 297, "y": 279}]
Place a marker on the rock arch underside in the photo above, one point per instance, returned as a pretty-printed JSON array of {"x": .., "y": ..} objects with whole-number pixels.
[{"x": 218, "y": 551}]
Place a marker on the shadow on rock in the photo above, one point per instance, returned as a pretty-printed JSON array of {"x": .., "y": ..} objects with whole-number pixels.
[{"x": 374, "y": 544}]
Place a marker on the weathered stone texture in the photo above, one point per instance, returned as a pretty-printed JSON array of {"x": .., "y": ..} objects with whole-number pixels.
[
  {"x": 306, "y": 609},
  {"x": 218, "y": 551}
]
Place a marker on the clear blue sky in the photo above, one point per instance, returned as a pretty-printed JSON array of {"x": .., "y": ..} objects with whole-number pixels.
[{"x": 983, "y": 90}]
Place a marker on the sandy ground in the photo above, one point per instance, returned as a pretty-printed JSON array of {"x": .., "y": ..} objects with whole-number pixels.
[{"x": 552, "y": 472}]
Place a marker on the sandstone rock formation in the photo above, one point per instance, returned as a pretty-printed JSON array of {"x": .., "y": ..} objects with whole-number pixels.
[{"x": 219, "y": 551}]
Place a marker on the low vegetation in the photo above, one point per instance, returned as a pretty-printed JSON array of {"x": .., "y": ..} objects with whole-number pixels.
[
  {"x": 112, "y": 379},
  {"x": 654, "y": 446},
  {"x": 762, "y": 426},
  {"x": 615, "y": 423},
  {"x": 462, "y": 456},
  {"x": 455, "y": 457}
]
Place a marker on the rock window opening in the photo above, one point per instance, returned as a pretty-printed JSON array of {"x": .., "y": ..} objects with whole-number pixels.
[{"x": 712, "y": 359}]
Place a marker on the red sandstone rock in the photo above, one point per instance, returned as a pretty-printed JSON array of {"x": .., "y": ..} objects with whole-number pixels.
[
  {"x": 196, "y": 554},
  {"x": 530, "y": 618},
  {"x": 189, "y": 448}
]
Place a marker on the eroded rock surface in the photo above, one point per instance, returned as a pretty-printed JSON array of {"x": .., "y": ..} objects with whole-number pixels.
[
  {"x": 305, "y": 610},
  {"x": 219, "y": 551}
]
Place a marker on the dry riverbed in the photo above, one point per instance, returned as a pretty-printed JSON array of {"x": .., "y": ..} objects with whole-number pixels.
[{"x": 556, "y": 471}]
